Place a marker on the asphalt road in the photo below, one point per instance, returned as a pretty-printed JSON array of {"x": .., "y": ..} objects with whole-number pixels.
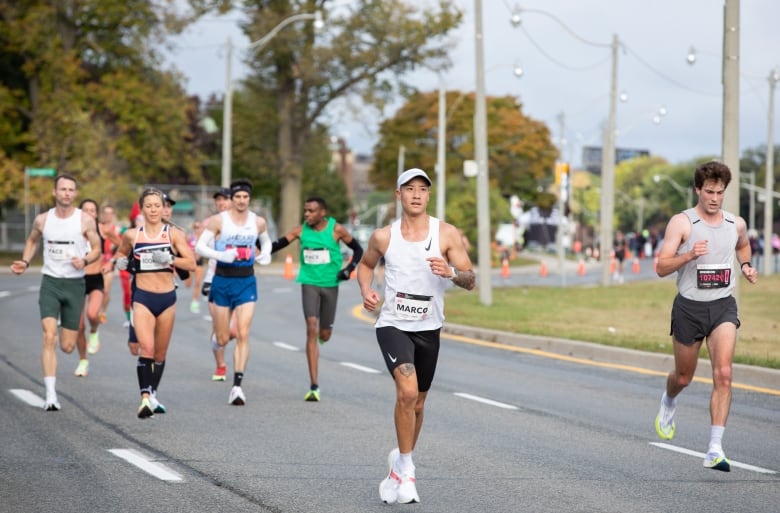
[{"x": 508, "y": 428}]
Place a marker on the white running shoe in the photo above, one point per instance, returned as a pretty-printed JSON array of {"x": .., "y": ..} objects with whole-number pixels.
[
  {"x": 126, "y": 324},
  {"x": 157, "y": 406},
  {"x": 51, "y": 404},
  {"x": 236, "y": 397},
  {"x": 407, "y": 490},
  {"x": 145, "y": 411},
  {"x": 388, "y": 488}
]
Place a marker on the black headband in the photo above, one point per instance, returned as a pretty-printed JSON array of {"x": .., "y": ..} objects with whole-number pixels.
[{"x": 240, "y": 187}]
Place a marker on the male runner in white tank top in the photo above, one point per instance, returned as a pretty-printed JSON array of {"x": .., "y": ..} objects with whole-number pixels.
[
  {"x": 700, "y": 244},
  {"x": 63, "y": 231},
  {"x": 234, "y": 288},
  {"x": 422, "y": 255}
]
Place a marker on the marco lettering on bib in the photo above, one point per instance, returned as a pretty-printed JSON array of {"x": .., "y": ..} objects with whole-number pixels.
[
  {"x": 316, "y": 256},
  {"x": 713, "y": 276},
  {"x": 412, "y": 307},
  {"x": 60, "y": 250}
]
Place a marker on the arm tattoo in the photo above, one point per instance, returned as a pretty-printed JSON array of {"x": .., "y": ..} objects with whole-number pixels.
[
  {"x": 406, "y": 369},
  {"x": 465, "y": 280}
]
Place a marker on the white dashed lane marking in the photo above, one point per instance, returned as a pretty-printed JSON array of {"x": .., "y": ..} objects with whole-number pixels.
[
  {"x": 28, "y": 397},
  {"x": 149, "y": 466},
  {"x": 361, "y": 368},
  {"x": 483, "y": 400},
  {"x": 284, "y": 345}
]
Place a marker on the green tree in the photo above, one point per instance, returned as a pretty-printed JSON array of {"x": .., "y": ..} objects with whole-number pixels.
[
  {"x": 521, "y": 154},
  {"x": 83, "y": 90},
  {"x": 364, "y": 51}
]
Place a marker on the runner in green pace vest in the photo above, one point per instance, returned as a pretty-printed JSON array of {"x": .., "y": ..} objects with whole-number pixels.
[{"x": 319, "y": 276}]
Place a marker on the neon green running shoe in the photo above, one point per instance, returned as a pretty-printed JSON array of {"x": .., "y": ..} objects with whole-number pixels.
[
  {"x": 717, "y": 461},
  {"x": 313, "y": 395},
  {"x": 664, "y": 422},
  {"x": 82, "y": 369},
  {"x": 93, "y": 343}
]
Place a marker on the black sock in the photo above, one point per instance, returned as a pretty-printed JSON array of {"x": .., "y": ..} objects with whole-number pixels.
[
  {"x": 145, "y": 374},
  {"x": 237, "y": 377},
  {"x": 157, "y": 372},
  {"x": 314, "y": 386}
]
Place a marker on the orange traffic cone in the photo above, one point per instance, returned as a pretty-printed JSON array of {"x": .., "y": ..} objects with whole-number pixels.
[
  {"x": 505, "y": 268},
  {"x": 288, "y": 268},
  {"x": 635, "y": 267},
  {"x": 543, "y": 269},
  {"x": 612, "y": 264},
  {"x": 581, "y": 267}
]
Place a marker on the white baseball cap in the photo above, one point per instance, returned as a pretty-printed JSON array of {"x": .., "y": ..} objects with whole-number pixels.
[{"x": 407, "y": 176}]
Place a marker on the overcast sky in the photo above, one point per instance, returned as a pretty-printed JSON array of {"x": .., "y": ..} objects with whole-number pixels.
[{"x": 566, "y": 69}]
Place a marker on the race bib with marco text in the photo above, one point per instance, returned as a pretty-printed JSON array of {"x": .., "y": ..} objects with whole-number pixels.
[
  {"x": 243, "y": 253},
  {"x": 60, "y": 249},
  {"x": 316, "y": 256},
  {"x": 412, "y": 307},
  {"x": 713, "y": 276}
]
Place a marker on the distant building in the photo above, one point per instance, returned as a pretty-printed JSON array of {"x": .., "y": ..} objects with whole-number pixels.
[{"x": 591, "y": 157}]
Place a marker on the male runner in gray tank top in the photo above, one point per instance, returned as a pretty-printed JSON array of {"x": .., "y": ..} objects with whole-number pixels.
[{"x": 700, "y": 244}]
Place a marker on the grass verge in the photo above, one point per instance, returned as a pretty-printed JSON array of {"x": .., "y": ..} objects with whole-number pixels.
[{"x": 634, "y": 315}]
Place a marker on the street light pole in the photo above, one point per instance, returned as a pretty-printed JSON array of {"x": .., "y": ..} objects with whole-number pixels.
[
  {"x": 440, "y": 153},
  {"x": 608, "y": 173},
  {"x": 730, "y": 129},
  {"x": 481, "y": 155},
  {"x": 227, "y": 110},
  {"x": 774, "y": 77},
  {"x": 227, "y": 119}
]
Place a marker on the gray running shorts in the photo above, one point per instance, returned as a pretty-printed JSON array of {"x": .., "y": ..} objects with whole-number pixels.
[
  {"x": 692, "y": 321},
  {"x": 320, "y": 302}
]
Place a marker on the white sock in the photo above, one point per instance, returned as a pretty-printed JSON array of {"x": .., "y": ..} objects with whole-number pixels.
[
  {"x": 405, "y": 462},
  {"x": 669, "y": 402},
  {"x": 716, "y": 438},
  {"x": 50, "y": 382}
]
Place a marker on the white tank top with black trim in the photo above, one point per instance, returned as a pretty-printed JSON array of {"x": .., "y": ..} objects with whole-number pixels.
[
  {"x": 63, "y": 240},
  {"x": 414, "y": 296}
]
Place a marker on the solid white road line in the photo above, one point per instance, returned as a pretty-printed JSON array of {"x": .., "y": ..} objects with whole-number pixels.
[
  {"x": 361, "y": 368},
  {"x": 689, "y": 452},
  {"x": 28, "y": 397},
  {"x": 5, "y": 293},
  {"x": 485, "y": 401},
  {"x": 158, "y": 470},
  {"x": 283, "y": 345}
]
